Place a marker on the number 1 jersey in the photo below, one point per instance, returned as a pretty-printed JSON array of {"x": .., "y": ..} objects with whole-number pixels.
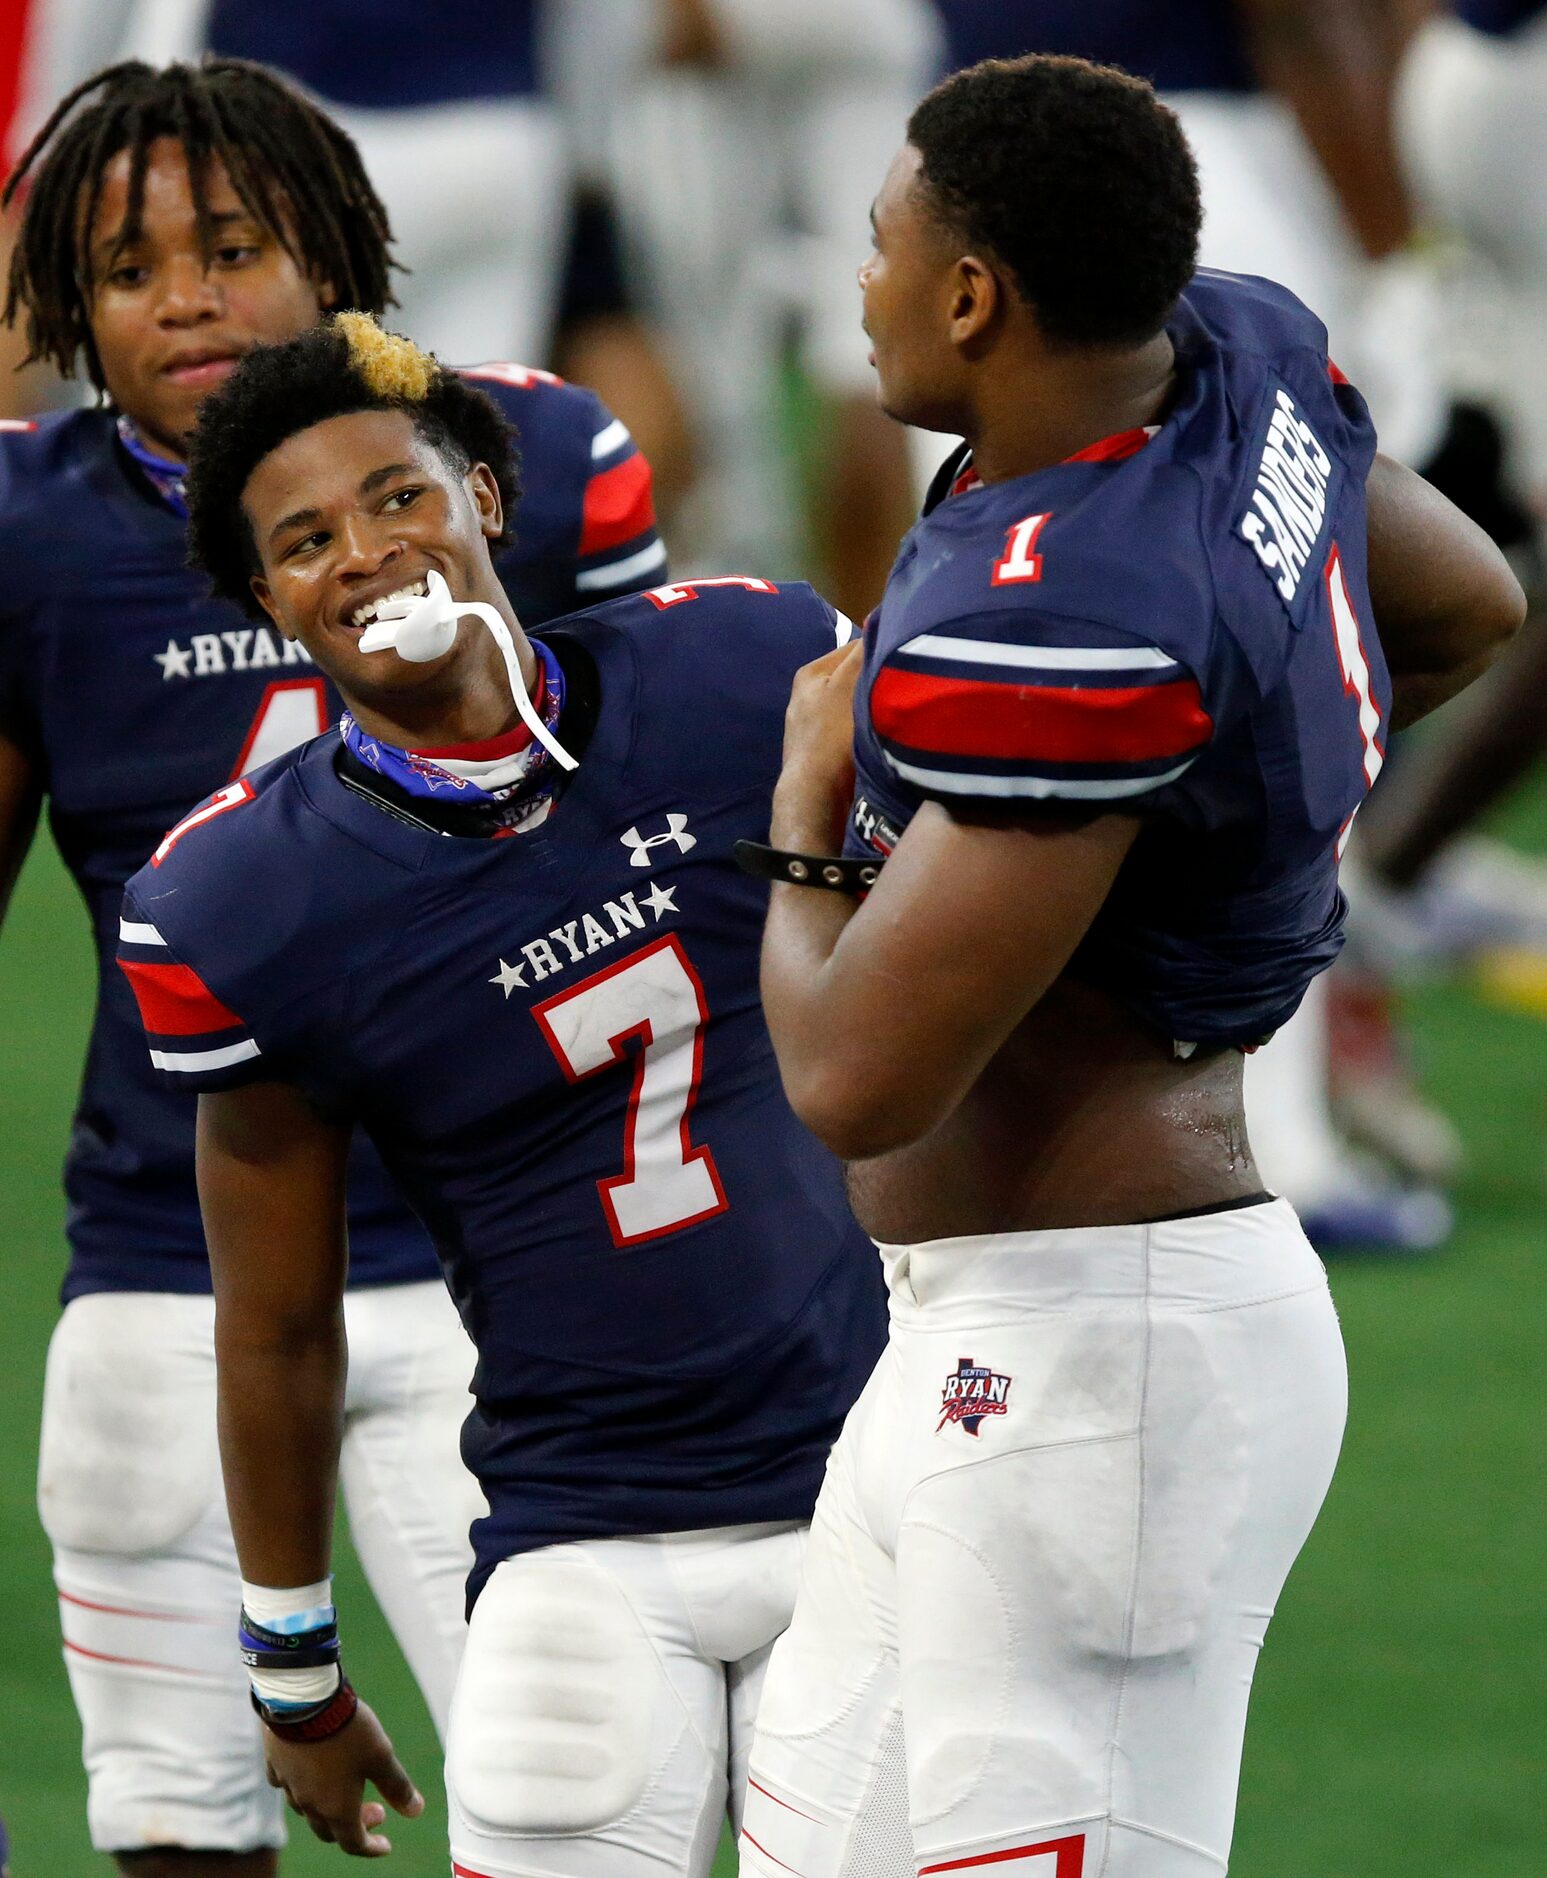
[{"x": 555, "y": 1041}]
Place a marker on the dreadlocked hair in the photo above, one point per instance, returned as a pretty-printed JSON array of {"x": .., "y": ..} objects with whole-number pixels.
[
  {"x": 294, "y": 170},
  {"x": 345, "y": 364}
]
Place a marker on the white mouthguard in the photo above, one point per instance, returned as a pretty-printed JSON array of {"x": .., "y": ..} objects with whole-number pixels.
[{"x": 422, "y": 628}]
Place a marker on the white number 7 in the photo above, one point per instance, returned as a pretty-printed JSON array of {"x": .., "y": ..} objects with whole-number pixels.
[{"x": 651, "y": 999}]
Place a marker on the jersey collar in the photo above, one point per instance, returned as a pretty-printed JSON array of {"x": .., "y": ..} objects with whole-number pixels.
[{"x": 1117, "y": 448}]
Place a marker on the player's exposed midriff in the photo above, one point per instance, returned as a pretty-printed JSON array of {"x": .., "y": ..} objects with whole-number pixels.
[{"x": 1085, "y": 1118}]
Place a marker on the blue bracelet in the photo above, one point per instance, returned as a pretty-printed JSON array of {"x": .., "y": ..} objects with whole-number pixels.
[{"x": 263, "y": 1648}]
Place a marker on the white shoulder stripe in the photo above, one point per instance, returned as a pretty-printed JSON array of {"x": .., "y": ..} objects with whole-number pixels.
[
  {"x": 953, "y": 782},
  {"x": 612, "y": 438},
  {"x": 191, "y": 1061},
  {"x": 133, "y": 932},
  {"x": 843, "y": 627},
  {"x": 1048, "y": 658},
  {"x": 615, "y": 573}
]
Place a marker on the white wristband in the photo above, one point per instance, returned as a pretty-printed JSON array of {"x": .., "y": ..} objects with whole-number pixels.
[{"x": 302, "y": 1607}]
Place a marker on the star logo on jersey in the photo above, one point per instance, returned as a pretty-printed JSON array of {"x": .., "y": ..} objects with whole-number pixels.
[
  {"x": 580, "y": 939},
  {"x": 661, "y": 899},
  {"x": 174, "y": 662},
  {"x": 639, "y": 845},
  {"x": 971, "y": 1394},
  {"x": 508, "y": 977}
]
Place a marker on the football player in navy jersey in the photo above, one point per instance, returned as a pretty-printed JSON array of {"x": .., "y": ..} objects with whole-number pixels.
[
  {"x": 535, "y": 986},
  {"x": 1122, "y": 698},
  {"x": 172, "y": 221}
]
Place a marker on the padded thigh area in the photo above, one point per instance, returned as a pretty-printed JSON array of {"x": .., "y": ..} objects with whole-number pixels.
[
  {"x": 128, "y": 1461},
  {"x": 551, "y": 1724}
]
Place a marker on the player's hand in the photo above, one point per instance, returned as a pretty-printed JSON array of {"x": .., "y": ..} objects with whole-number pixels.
[
  {"x": 324, "y": 1781},
  {"x": 817, "y": 784}
]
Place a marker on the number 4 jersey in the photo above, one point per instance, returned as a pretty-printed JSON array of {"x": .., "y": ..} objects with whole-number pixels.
[
  {"x": 134, "y": 694},
  {"x": 556, "y": 1044},
  {"x": 1173, "y": 623}
]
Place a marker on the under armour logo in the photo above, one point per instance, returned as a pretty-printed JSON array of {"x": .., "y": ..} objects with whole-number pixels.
[{"x": 676, "y": 830}]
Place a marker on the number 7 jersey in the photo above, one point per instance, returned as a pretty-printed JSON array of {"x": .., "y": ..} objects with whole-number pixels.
[
  {"x": 1174, "y": 623},
  {"x": 133, "y": 694},
  {"x": 555, "y": 1041}
]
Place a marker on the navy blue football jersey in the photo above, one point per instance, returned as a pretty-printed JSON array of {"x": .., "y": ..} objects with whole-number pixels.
[
  {"x": 556, "y": 1043},
  {"x": 1178, "y": 45},
  {"x": 1499, "y": 18},
  {"x": 136, "y": 694},
  {"x": 387, "y": 54},
  {"x": 1175, "y": 623}
]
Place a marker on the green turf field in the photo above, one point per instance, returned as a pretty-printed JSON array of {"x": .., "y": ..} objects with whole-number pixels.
[{"x": 1398, "y": 1720}]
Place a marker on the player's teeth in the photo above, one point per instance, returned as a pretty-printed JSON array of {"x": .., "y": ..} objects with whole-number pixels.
[{"x": 364, "y": 614}]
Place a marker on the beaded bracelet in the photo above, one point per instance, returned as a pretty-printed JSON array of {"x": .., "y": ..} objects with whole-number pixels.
[{"x": 321, "y": 1724}]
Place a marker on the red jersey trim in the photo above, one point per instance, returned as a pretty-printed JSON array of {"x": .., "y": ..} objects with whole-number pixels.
[
  {"x": 618, "y": 507},
  {"x": 1070, "y": 1852},
  {"x": 174, "y": 1001},
  {"x": 1039, "y": 723},
  {"x": 1114, "y": 449}
]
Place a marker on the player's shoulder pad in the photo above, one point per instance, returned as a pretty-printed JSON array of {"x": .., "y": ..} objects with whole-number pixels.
[
  {"x": 1304, "y": 446},
  {"x": 730, "y": 617},
  {"x": 34, "y": 452},
  {"x": 1057, "y": 708},
  {"x": 233, "y": 834},
  {"x": 531, "y": 396},
  {"x": 232, "y": 924}
]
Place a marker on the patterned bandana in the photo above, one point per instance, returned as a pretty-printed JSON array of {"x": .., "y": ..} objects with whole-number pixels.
[
  {"x": 168, "y": 478},
  {"x": 512, "y": 777}
]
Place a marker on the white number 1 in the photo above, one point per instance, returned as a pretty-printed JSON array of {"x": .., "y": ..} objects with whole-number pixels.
[
  {"x": 1355, "y": 668},
  {"x": 654, "y": 1001}
]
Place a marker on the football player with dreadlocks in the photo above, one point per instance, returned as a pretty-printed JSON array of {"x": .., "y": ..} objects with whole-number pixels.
[{"x": 173, "y": 220}]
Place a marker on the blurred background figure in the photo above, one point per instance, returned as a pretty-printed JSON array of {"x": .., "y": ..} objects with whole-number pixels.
[
  {"x": 741, "y": 144},
  {"x": 447, "y": 107}
]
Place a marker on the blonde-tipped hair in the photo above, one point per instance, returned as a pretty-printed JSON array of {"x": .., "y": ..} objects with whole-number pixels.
[{"x": 392, "y": 366}]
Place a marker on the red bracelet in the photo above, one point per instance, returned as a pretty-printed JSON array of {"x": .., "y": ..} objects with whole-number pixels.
[{"x": 332, "y": 1718}]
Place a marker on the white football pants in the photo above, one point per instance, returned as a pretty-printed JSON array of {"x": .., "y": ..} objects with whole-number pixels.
[
  {"x": 602, "y": 1720},
  {"x": 1050, "y": 1540},
  {"x": 129, "y": 1491}
]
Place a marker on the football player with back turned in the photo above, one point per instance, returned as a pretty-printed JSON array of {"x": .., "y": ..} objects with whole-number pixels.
[
  {"x": 535, "y": 986},
  {"x": 172, "y": 220},
  {"x": 1121, "y": 701}
]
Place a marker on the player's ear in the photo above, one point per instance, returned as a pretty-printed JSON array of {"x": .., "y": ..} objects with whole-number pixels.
[
  {"x": 484, "y": 494},
  {"x": 976, "y": 299},
  {"x": 260, "y": 591}
]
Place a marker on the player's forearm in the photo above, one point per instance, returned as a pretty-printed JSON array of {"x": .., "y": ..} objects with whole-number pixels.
[
  {"x": 1334, "y": 65},
  {"x": 806, "y": 1007},
  {"x": 1472, "y": 765},
  {"x": 281, "y": 1413}
]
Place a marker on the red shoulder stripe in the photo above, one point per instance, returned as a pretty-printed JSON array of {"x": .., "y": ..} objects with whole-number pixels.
[
  {"x": 1334, "y": 374},
  {"x": 1039, "y": 723},
  {"x": 618, "y": 505},
  {"x": 174, "y": 1001}
]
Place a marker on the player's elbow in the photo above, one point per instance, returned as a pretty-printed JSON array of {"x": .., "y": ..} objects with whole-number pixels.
[
  {"x": 858, "y": 1115},
  {"x": 1494, "y": 613}
]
